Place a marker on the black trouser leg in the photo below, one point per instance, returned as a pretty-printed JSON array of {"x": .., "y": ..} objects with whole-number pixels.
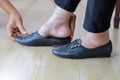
[
  {"x": 69, "y": 5},
  {"x": 98, "y": 15}
]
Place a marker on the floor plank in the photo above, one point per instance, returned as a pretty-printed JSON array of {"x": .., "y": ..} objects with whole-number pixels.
[{"x": 19, "y": 62}]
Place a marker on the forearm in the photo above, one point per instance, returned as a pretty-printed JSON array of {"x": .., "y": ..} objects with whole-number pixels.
[{"x": 8, "y": 7}]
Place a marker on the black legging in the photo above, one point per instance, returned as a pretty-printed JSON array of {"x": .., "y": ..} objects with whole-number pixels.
[{"x": 98, "y": 13}]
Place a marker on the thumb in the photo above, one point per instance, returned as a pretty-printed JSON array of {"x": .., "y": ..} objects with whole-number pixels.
[{"x": 22, "y": 29}]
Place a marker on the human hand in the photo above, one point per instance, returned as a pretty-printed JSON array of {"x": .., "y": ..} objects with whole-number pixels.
[{"x": 15, "y": 26}]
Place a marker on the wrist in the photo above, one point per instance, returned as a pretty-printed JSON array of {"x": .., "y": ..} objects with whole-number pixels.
[{"x": 16, "y": 13}]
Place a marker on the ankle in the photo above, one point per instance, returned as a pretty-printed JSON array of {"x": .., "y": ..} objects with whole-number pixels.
[
  {"x": 104, "y": 36},
  {"x": 95, "y": 39}
]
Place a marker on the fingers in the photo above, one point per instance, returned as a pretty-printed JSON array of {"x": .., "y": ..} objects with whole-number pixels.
[
  {"x": 21, "y": 29},
  {"x": 11, "y": 33},
  {"x": 15, "y": 30}
]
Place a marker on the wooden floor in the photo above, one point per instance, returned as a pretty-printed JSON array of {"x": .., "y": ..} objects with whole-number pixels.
[{"x": 19, "y": 62}]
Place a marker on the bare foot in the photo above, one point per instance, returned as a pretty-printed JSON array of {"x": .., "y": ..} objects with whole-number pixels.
[{"x": 61, "y": 24}]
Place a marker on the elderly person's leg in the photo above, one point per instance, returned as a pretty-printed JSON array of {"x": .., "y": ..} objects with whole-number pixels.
[
  {"x": 97, "y": 22},
  {"x": 96, "y": 43},
  {"x": 59, "y": 23}
]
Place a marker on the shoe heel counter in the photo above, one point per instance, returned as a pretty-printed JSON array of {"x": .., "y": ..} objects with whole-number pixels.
[{"x": 109, "y": 49}]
